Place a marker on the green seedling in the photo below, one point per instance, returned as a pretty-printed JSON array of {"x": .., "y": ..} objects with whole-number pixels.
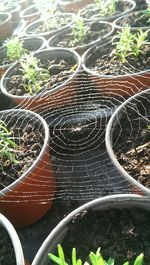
[
  {"x": 14, "y": 48},
  {"x": 106, "y": 7},
  {"x": 79, "y": 31},
  {"x": 94, "y": 258},
  {"x": 7, "y": 146},
  {"x": 129, "y": 44},
  {"x": 33, "y": 75}
]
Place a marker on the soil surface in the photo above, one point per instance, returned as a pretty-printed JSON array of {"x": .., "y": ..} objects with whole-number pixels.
[
  {"x": 134, "y": 155},
  {"x": 104, "y": 61},
  {"x": 7, "y": 255},
  {"x": 59, "y": 69},
  {"x": 122, "y": 234},
  {"x": 92, "y": 11},
  {"x": 135, "y": 19},
  {"x": 29, "y": 143},
  {"x": 94, "y": 31},
  {"x": 53, "y": 23}
]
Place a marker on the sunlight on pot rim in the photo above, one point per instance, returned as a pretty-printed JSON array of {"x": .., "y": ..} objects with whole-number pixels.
[
  {"x": 14, "y": 239},
  {"x": 110, "y": 151},
  {"x": 116, "y": 26},
  {"x": 88, "y": 54},
  {"x": 102, "y": 203},
  {"x": 31, "y": 114},
  {"x": 8, "y": 17},
  {"x": 100, "y": 39},
  {"x": 74, "y": 54},
  {"x": 112, "y": 17},
  {"x": 54, "y": 31}
]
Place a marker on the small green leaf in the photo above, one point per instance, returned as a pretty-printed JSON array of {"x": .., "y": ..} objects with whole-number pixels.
[{"x": 139, "y": 259}]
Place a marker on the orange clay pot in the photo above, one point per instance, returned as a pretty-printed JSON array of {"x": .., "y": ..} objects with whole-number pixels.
[
  {"x": 59, "y": 96},
  {"x": 119, "y": 85},
  {"x": 5, "y": 26},
  {"x": 29, "y": 197}
]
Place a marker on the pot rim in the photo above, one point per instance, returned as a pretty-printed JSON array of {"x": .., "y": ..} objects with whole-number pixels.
[
  {"x": 51, "y": 91},
  {"x": 116, "y": 26},
  {"x": 88, "y": 53},
  {"x": 43, "y": 45},
  {"x": 9, "y": 16},
  {"x": 88, "y": 44},
  {"x": 18, "y": 181},
  {"x": 14, "y": 239},
  {"x": 100, "y": 203},
  {"x": 40, "y": 20},
  {"x": 23, "y": 14},
  {"x": 107, "y": 18},
  {"x": 108, "y": 142}
]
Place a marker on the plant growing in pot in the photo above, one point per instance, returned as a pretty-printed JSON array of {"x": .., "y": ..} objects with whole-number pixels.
[
  {"x": 48, "y": 25},
  {"x": 27, "y": 184},
  {"x": 94, "y": 258},
  {"x": 14, "y": 48},
  {"x": 82, "y": 35},
  {"x": 103, "y": 221},
  {"x": 121, "y": 66},
  {"x": 44, "y": 80},
  {"x": 136, "y": 20},
  {"x": 107, "y": 10},
  {"x": 127, "y": 141},
  {"x": 10, "y": 245}
]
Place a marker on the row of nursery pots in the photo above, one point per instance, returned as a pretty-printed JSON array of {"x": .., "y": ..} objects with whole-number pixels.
[
  {"x": 104, "y": 221},
  {"x": 28, "y": 197},
  {"x": 38, "y": 24},
  {"x": 111, "y": 80}
]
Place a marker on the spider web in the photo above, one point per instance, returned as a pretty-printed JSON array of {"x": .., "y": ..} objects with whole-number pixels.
[
  {"x": 80, "y": 163},
  {"x": 77, "y": 125}
]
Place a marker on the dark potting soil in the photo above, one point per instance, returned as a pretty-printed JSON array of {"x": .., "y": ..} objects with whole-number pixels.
[
  {"x": 135, "y": 19},
  {"x": 134, "y": 156},
  {"x": 95, "y": 30},
  {"x": 104, "y": 61},
  {"x": 29, "y": 143},
  {"x": 121, "y": 233},
  {"x": 7, "y": 255},
  {"x": 53, "y": 23},
  {"x": 59, "y": 69},
  {"x": 92, "y": 11}
]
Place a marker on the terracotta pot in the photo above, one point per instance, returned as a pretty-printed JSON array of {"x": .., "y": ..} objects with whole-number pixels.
[
  {"x": 127, "y": 19},
  {"x": 76, "y": 5},
  {"x": 122, "y": 126},
  {"x": 5, "y": 223},
  {"x": 113, "y": 17},
  {"x": 61, "y": 95},
  {"x": 30, "y": 196},
  {"x": 115, "y": 85},
  {"x": 30, "y": 29},
  {"x": 60, "y": 232},
  {"x": 6, "y": 25},
  {"x": 32, "y": 44},
  {"x": 54, "y": 41},
  {"x": 30, "y": 14}
]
